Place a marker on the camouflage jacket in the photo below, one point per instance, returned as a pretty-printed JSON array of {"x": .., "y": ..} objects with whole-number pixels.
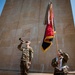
[{"x": 27, "y": 53}]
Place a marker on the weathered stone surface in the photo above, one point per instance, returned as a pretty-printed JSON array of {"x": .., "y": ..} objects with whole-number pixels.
[{"x": 25, "y": 18}]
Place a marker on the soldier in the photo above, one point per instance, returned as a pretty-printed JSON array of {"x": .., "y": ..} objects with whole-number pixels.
[
  {"x": 59, "y": 63},
  {"x": 27, "y": 55}
]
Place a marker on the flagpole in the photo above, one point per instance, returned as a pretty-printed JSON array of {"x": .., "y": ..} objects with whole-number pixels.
[
  {"x": 54, "y": 30},
  {"x": 56, "y": 42}
]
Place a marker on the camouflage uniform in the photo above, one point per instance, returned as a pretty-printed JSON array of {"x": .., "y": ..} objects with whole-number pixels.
[
  {"x": 55, "y": 64},
  {"x": 27, "y": 54}
]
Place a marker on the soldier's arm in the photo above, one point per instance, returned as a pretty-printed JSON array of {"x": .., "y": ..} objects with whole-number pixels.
[
  {"x": 31, "y": 50},
  {"x": 66, "y": 57},
  {"x": 20, "y": 46}
]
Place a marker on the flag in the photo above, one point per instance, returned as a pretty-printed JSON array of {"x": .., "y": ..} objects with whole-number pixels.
[{"x": 50, "y": 28}]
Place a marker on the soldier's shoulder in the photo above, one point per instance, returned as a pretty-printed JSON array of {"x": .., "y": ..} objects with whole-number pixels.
[
  {"x": 54, "y": 59},
  {"x": 54, "y": 63}
]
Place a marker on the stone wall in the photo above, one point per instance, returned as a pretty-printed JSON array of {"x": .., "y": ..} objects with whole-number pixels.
[{"x": 25, "y": 18}]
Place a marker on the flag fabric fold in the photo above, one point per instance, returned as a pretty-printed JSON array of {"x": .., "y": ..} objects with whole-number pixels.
[{"x": 50, "y": 28}]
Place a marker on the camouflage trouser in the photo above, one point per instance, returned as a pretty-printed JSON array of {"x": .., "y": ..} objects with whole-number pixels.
[
  {"x": 57, "y": 72},
  {"x": 24, "y": 65}
]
